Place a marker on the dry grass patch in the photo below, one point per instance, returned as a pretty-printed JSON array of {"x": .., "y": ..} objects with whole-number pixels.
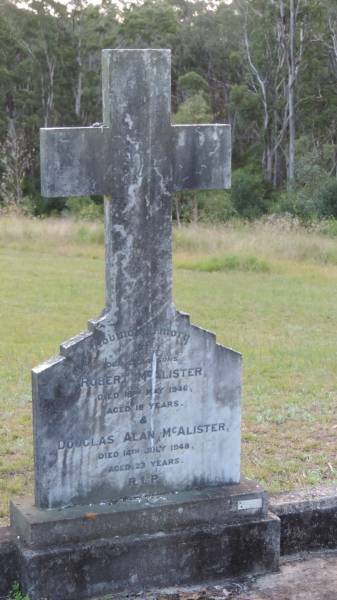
[
  {"x": 64, "y": 236},
  {"x": 275, "y": 239}
]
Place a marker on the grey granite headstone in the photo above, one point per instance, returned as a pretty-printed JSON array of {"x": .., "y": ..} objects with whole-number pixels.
[{"x": 143, "y": 402}]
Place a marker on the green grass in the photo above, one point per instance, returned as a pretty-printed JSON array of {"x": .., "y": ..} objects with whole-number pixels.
[
  {"x": 16, "y": 594},
  {"x": 282, "y": 318},
  {"x": 226, "y": 263}
]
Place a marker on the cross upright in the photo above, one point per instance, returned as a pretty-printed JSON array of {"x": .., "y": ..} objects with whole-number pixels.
[{"x": 136, "y": 159}]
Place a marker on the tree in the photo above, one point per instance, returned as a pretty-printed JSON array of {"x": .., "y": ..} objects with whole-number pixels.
[
  {"x": 15, "y": 160},
  {"x": 292, "y": 34},
  {"x": 152, "y": 24},
  {"x": 274, "y": 39},
  {"x": 268, "y": 67},
  {"x": 90, "y": 29}
]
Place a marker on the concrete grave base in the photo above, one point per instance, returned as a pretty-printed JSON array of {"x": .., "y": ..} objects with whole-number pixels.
[
  {"x": 73, "y": 571},
  {"x": 138, "y": 515},
  {"x": 190, "y": 553},
  {"x": 9, "y": 561},
  {"x": 308, "y": 519},
  {"x": 159, "y": 541}
]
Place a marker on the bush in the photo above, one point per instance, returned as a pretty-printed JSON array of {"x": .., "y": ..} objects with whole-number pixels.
[
  {"x": 315, "y": 200},
  {"x": 195, "y": 109},
  {"x": 206, "y": 206},
  {"x": 215, "y": 206},
  {"x": 249, "y": 193},
  {"x": 328, "y": 227},
  {"x": 326, "y": 199},
  {"x": 192, "y": 83},
  {"x": 85, "y": 208},
  {"x": 314, "y": 195},
  {"x": 37, "y": 206}
]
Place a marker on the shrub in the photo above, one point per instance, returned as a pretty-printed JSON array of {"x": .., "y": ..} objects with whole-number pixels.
[
  {"x": 37, "y": 206},
  {"x": 195, "y": 109},
  {"x": 315, "y": 192},
  {"x": 329, "y": 227},
  {"x": 249, "y": 193},
  {"x": 326, "y": 198},
  {"x": 215, "y": 206},
  {"x": 206, "y": 206},
  {"x": 315, "y": 200},
  {"x": 85, "y": 208},
  {"x": 192, "y": 83}
]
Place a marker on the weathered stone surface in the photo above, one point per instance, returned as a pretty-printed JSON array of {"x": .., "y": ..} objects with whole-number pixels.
[
  {"x": 136, "y": 116},
  {"x": 194, "y": 149},
  {"x": 69, "y": 572},
  {"x": 153, "y": 409},
  {"x": 9, "y": 561},
  {"x": 312, "y": 578},
  {"x": 308, "y": 519},
  {"x": 144, "y": 402},
  {"x": 293, "y": 505},
  {"x": 150, "y": 514},
  {"x": 71, "y": 161}
]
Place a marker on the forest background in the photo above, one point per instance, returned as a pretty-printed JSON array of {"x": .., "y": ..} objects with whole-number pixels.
[{"x": 267, "y": 67}]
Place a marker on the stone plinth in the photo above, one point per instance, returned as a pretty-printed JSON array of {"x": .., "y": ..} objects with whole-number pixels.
[
  {"x": 155, "y": 541},
  {"x": 139, "y": 515}
]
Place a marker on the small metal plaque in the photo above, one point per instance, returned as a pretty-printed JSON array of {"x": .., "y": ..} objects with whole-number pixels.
[{"x": 253, "y": 503}]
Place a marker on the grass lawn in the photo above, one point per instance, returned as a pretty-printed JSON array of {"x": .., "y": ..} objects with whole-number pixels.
[{"x": 267, "y": 289}]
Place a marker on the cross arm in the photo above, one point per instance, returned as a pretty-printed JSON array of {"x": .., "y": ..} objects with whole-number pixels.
[
  {"x": 71, "y": 161},
  {"x": 201, "y": 157}
]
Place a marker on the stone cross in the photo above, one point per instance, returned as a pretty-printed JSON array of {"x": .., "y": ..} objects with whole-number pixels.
[
  {"x": 137, "y": 421},
  {"x": 137, "y": 158},
  {"x": 143, "y": 402}
]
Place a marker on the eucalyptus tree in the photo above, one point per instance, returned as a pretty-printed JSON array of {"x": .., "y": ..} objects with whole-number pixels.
[
  {"x": 91, "y": 28},
  {"x": 274, "y": 34},
  {"x": 151, "y": 24},
  {"x": 44, "y": 38},
  {"x": 292, "y": 26},
  {"x": 318, "y": 99}
]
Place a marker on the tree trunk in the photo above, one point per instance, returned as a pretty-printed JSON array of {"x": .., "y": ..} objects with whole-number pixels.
[
  {"x": 268, "y": 159},
  {"x": 177, "y": 209},
  {"x": 79, "y": 86},
  {"x": 47, "y": 92},
  {"x": 78, "y": 95},
  {"x": 195, "y": 215},
  {"x": 291, "y": 94}
]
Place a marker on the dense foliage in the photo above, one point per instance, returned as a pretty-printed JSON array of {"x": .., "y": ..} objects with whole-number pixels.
[{"x": 269, "y": 67}]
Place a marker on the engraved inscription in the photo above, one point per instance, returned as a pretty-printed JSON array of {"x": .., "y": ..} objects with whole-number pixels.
[
  {"x": 149, "y": 418},
  {"x": 148, "y": 424}
]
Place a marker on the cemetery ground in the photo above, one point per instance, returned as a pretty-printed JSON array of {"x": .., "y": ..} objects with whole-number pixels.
[{"x": 267, "y": 289}]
